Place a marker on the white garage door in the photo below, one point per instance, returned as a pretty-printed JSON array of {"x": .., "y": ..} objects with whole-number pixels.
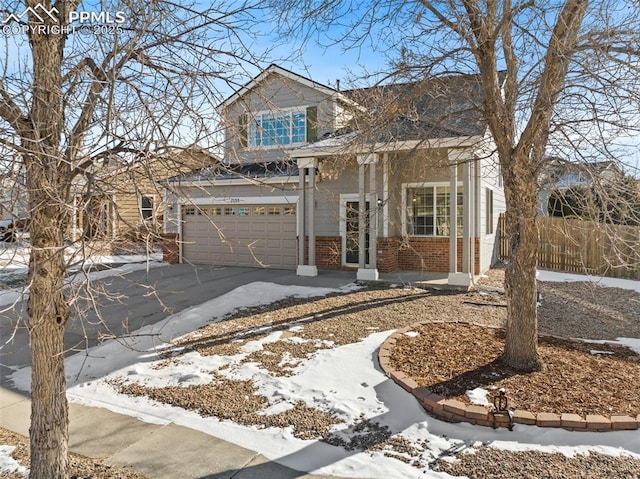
[{"x": 249, "y": 235}]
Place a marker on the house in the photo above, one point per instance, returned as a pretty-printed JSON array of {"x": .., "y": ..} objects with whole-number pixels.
[
  {"x": 317, "y": 178},
  {"x": 123, "y": 199},
  {"x": 560, "y": 175}
]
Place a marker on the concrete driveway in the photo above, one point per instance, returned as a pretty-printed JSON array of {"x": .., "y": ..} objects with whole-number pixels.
[{"x": 129, "y": 302}]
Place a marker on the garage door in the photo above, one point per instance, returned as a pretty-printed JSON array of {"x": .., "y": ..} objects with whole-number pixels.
[{"x": 248, "y": 235}]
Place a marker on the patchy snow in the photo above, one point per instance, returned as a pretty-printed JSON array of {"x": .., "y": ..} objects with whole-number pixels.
[
  {"x": 479, "y": 396},
  {"x": 412, "y": 334},
  {"x": 358, "y": 390},
  {"x": 554, "y": 276},
  {"x": 9, "y": 464},
  {"x": 15, "y": 259},
  {"x": 632, "y": 343}
]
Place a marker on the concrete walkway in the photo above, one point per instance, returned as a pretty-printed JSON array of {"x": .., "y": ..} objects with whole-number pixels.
[{"x": 158, "y": 452}]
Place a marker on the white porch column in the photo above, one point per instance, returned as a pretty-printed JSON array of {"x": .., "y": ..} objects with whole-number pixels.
[
  {"x": 367, "y": 272},
  {"x": 453, "y": 218},
  {"x": 466, "y": 217},
  {"x": 385, "y": 195},
  {"x": 306, "y": 205},
  {"x": 456, "y": 278}
]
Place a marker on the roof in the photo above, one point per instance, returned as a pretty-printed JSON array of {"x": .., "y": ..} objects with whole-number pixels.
[
  {"x": 560, "y": 173},
  {"x": 444, "y": 107},
  {"x": 275, "y": 69},
  {"x": 252, "y": 171}
]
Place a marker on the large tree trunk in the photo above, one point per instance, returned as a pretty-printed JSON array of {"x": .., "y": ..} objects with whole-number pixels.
[
  {"x": 48, "y": 312},
  {"x": 47, "y": 184},
  {"x": 521, "y": 343}
]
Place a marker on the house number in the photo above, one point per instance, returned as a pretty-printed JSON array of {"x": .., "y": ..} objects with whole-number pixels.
[{"x": 234, "y": 200}]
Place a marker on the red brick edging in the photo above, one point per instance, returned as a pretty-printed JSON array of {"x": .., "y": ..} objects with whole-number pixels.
[{"x": 453, "y": 410}]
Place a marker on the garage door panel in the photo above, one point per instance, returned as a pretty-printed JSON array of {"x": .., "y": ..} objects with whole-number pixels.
[{"x": 251, "y": 240}]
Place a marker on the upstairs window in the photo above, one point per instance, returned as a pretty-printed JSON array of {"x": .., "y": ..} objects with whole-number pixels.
[{"x": 279, "y": 128}]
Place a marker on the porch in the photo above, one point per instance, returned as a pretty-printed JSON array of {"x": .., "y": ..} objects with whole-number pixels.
[{"x": 443, "y": 238}]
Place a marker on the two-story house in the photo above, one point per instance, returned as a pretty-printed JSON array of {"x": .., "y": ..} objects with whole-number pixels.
[{"x": 384, "y": 179}]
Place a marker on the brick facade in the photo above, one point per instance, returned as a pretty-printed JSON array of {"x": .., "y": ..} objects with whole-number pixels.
[
  {"x": 388, "y": 254},
  {"x": 329, "y": 252},
  {"x": 170, "y": 248},
  {"x": 429, "y": 254}
]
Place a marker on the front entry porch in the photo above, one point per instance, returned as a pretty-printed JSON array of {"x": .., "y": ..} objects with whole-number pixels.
[{"x": 445, "y": 242}]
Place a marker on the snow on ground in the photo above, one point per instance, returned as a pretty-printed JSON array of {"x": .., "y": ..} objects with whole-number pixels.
[
  {"x": 14, "y": 261},
  {"x": 8, "y": 464},
  {"x": 554, "y": 276},
  {"x": 323, "y": 381}
]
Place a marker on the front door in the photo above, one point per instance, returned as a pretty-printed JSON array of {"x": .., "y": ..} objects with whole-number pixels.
[{"x": 352, "y": 222}]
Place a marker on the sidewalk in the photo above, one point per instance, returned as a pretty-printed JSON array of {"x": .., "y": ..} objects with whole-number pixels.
[{"x": 156, "y": 451}]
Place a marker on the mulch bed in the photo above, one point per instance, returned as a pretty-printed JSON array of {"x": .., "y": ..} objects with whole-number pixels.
[{"x": 581, "y": 378}]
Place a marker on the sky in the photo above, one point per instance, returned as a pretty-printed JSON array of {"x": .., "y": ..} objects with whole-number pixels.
[{"x": 324, "y": 58}]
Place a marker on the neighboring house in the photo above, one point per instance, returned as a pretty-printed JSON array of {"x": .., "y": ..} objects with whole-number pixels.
[
  {"x": 316, "y": 178},
  {"x": 13, "y": 196},
  {"x": 560, "y": 175},
  {"x": 125, "y": 200}
]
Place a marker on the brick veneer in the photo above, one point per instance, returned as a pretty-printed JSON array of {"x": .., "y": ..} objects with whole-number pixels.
[
  {"x": 431, "y": 254},
  {"x": 388, "y": 254},
  {"x": 329, "y": 252},
  {"x": 170, "y": 248},
  {"x": 456, "y": 411},
  {"x": 415, "y": 254}
]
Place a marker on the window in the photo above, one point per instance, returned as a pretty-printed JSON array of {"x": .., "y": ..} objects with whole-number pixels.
[
  {"x": 258, "y": 210},
  {"x": 229, "y": 211},
  {"x": 289, "y": 210},
  {"x": 146, "y": 207},
  {"x": 278, "y": 128},
  {"x": 428, "y": 209},
  {"x": 489, "y": 210},
  {"x": 244, "y": 211},
  {"x": 189, "y": 211},
  {"x": 273, "y": 210}
]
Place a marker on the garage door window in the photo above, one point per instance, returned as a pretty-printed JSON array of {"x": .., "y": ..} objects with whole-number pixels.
[
  {"x": 244, "y": 211},
  {"x": 229, "y": 211},
  {"x": 274, "y": 210},
  {"x": 290, "y": 210},
  {"x": 259, "y": 211}
]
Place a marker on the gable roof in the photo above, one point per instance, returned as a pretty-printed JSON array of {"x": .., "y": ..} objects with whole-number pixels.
[
  {"x": 443, "y": 107},
  {"x": 275, "y": 69}
]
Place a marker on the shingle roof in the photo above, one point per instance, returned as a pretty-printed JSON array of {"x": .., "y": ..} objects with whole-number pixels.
[
  {"x": 435, "y": 108},
  {"x": 255, "y": 171}
]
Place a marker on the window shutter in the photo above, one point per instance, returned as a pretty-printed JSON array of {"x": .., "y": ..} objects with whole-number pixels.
[
  {"x": 243, "y": 123},
  {"x": 312, "y": 124}
]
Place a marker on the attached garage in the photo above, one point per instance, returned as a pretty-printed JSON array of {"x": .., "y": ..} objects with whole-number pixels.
[{"x": 258, "y": 235}]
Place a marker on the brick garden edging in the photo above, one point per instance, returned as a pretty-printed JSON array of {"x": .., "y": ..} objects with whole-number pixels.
[{"x": 452, "y": 410}]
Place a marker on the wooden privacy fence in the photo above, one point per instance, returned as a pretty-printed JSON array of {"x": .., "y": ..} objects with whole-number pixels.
[{"x": 584, "y": 247}]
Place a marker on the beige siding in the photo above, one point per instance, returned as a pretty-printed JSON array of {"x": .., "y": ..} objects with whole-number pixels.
[{"x": 274, "y": 93}]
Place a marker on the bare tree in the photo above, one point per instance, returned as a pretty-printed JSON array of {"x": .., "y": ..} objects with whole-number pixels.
[
  {"x": 84, "y": 84},
  {"x": 558, "y": 78}
]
